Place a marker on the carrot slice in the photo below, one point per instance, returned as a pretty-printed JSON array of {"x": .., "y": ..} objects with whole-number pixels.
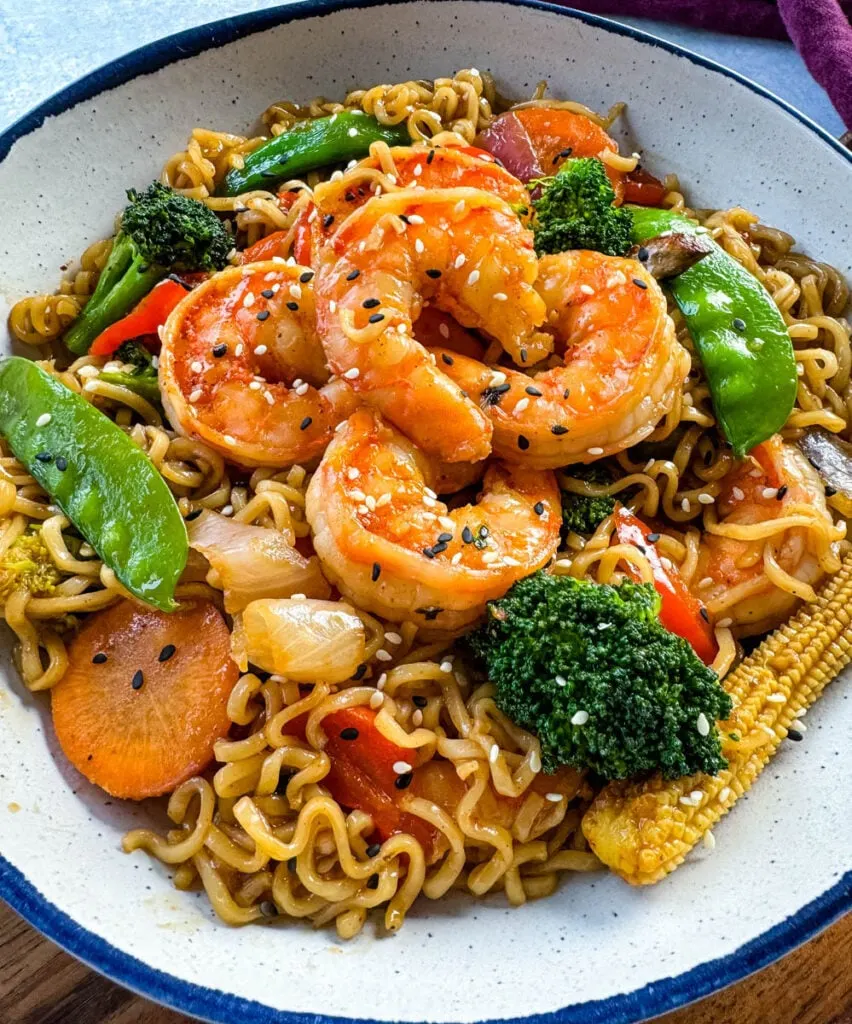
[{"x": 145, "y": 697}]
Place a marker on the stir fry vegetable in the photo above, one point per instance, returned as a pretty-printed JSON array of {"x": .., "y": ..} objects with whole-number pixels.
[
  {"x": 145, "y": 697},
  {"x": 148, "y": 315},
  {"x": 309, "y": 145},
  {"x": 161, "y": 231},
  {"x": 739, "y": 333},
  {"x": 138, "y": 373},
  {"x": 100, "y": 479}
]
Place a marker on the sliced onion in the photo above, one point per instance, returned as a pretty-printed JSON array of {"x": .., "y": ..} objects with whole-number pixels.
[
  {"x": 250, "y": 562},
  {"x": 308, "y": 641}
]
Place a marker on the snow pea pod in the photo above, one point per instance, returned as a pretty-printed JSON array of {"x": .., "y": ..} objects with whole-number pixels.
[
  {"x": 309, "y": 145},
  {"x": 739, "y": 334},
  {"x": 102, "y": 481}
]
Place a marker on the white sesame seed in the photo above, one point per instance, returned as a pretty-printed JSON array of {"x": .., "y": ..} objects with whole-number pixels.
[
  {"x": 535, "y": 762},
  {"x": 457, "y": 557},
  {"x": 383, "y": 499},
  {"x": 196, "y": 366},
  {"x": 473, "y": 277},
  {"x": 429, "y": 517},
  {"x": 770, "y": 492},
  {"x": 380, "y": 682},
  {"x": 724, "y": 793},
  {"x": 419, "y": 247},
  {"x": 302, "y": 389},
  {"x": 554, "y": 798},
  {"x": 443, "y": 330},
  {"x": 562, "y": 563},
  {"x": 724, "y": 623},
  {"x": 268, "y": 396},
  {"x": 707, "y": 581},
  {"x": 352, "y": 132},
  {"x": 776, "y": 698},
  {"x": 737, "y": 494},
  {"x": 686, "y": 801},
  {"x": 415, "y": 218},
  {"x": 353, "y": 472},
  {"x": 460, "y": 261},
  {"x": 684, "y": 504},
  {"x": 446, "y": 666},
  {"x": 370, "y": 502},
  {"x": 90, "y": 385},
  {"x": 260, "y": 350},
  {"x": 248, "y": 300},
  {"x": 383, "y": 655},
  {"x": 709, "y": 841},
  {"x": 508, "y": 560},
  {"x": 401, "y": 767},
  {"x": 702, "y": 725},
  {"x": 357, "y": 495},
  {"x": 393, "y": 638},
  {"x": 270, "y": 276},
  {"x": 767, "y": 730},
  {"x": 295, "y": 291},
  {"x": 352, "y": 374},
  {"x": 493, "y": 753},
  {"x": 489, "y": 557},
  {"x": 520, "y": 406},
  {"x": 229, "y": 439},
  {"x": 801, "y": 726},
  {"x": 595, "y": 451},
  {"x": 332, "y": 306},
  {"x": 587, "y": 289},
  {"x": 697, "y": 796},
  {"x": 498, "y": 378},
  {"x": 401, "y": 328},
  {"x": 196, "y": 395},
  {"x": 239, "y": 349},
  {"x": 800, "y": 713},
  {"x": 88, "y": 371},
  {"x": 298, "y": 597},
  {"x": 376, "y": 700},
  {"x": 579, "y": 718},
  {"x": 418, "y": 170},
  {"x": 560, "y": 680},
  {"x": 417, "y": 718},
  {"x": 447, "y": 523},
  {"x": 161, "y": 331},
  {"x": 706, "y": 499},
  {"x": 255, "y": 385},
  {"x": 429, "y": 502},
  {"x": 227, "y": 510}
]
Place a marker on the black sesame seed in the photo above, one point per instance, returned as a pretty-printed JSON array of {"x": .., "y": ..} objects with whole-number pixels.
[
  {"x": 433, "y": 273},
  {"x": 376, "y": 318},
  {"x": 99, "y": 658},
  {"x": 194, "y": 514},
  {"x": 403, "y": 781},
  {"x": 782, "y": 490},
  {"x": 419, "y": 701},
  {"x": 328, "y": 220},
  {"x": 639, "y": 548},
  {"x": 44, "y": 457},
  {"x": 439, "y": 548},
  {"x": 531, "y": 390},
  {"x": 291, "y": 865},
  {"x": 61, "y": 463},
  {"x": 652, "y": 538},
  {"x": 703, "y": 613},
  {"x": 377, "y": 571},
  {"x": 643, "y": 254},
  {"x": 562, "y": 154},
  {"x": 307, "y": 276},
  {"x": 523, "y": 442},
  {"x": 794, "y": 735},
  {"x": 640, "y": 283},
  {"x": 428, "y": 552},
  {"x": 447, "y": 359},
  {"x": 353, "y": 274},
  {"x": 565, "y": 394},
  {"x": 374, "y": 849},
  {"x": 166, "y": 652},
  {"x": 138, "y": 679},
  {"x": 349, "y": 734},
  {"x": 431, "y": 156},
  {"x": 293, "y": 306},
  {"x": 558, "y": 429},
  {"x": 492, "y": 395},
  {"x": 371, "y": 303},
  {"x": 739, "y": 324},
  {"x": 373, "y": 882},
  {"x": 306, "y": 422},
  {"x": 429, "y": 614},
  {"x": 523, "y": 355},
  {"x": 830, "y": 491},
  {"x": 443, "y": 537},
  {"x": 359, "y": 672},
  {"x": 404, "y": 218},
  {"x": 467, "y": 535},
  {"x": 538, "y": 508},
  {"x": 268, "y": 909},
  {"x": 267, "y": 293},
  {"x": 219, "y": 350},
  {"x": 263, "y": 315}
]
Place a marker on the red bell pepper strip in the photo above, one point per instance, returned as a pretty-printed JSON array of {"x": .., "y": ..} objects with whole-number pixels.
[
  {"x": 643, "y": 189},
  {"x": 362, "y": 774},
  {"x": 681, "y": 611},
  {"x": 144, "y": 319}
]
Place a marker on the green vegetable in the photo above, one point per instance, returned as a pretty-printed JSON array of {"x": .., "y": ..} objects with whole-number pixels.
[
  {"x": 739, "y": 333},
  {"x": 100, "y": 479},
  {"x": 161, "y": 231},
  {"x": 27, "y": 565},
  {"x": 575, "y": 211},
  {"x": 309, "y": 145},
  {"x": 142, "y": 379},
  {"x": 590, "y": 670},
  {"x": 580, "y": 512}
]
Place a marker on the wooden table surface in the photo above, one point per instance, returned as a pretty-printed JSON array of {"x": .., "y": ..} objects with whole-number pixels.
[{"x": 39, "y": 984}]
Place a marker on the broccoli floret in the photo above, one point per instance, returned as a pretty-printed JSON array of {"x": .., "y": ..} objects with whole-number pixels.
[
  {"x": 161, "y": 231},
  {"x": 27, "y": 565},
  {"x": 138, "y": 374},
  {"x": 590, "y": 670},
  {"x": 582, "y": 513},
  {"x": 575, "y": 211}
]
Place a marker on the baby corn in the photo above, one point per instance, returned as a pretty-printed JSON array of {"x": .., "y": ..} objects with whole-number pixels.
[{"x": 643, "y": 830}]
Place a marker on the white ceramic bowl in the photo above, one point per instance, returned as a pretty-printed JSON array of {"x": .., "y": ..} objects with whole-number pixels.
[{"x": 598, "y": 950}]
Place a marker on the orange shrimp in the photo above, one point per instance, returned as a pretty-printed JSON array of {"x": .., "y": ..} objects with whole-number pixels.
[
  {"x": 242, "y": 369},
  {"x": 622, "y": 367},
  {"x": 391, "y": 546},
  {"x": 754, "y": 584}
]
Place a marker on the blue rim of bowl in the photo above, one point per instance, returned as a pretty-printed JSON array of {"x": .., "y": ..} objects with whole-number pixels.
[{"x": 212, "y": 1004}]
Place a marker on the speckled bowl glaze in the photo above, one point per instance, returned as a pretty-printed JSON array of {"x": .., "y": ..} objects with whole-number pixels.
[{"x": 598, "y": 950}]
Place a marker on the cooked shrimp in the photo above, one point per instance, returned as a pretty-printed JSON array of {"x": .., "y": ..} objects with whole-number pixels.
[
  {"x": 387, "y": 542},
  {"x": 242, "y": 368},
  {"x": 623, "y": 368},
  {"x": 461, "y": 248},
  {"x": 769, "y": 540}
]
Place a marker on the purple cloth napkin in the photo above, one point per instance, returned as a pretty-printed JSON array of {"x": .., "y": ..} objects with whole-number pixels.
[{"x": 819, "y": 29}]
